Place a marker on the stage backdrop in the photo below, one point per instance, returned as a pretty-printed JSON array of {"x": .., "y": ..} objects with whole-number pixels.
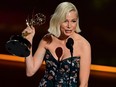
[{"x": 96, "y": 18}]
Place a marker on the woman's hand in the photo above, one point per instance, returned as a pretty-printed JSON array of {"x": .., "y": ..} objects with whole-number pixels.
[{"x": 29, "y": 33}]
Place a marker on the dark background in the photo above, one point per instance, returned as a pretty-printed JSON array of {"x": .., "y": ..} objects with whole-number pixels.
[{"x": 96, "y": 17}]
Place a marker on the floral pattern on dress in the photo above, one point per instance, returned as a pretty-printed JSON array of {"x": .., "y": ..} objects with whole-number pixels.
[{"x": 57, "y": 73}]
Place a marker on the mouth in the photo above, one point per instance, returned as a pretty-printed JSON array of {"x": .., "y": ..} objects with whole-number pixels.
[{"x": 68, "y": 31}]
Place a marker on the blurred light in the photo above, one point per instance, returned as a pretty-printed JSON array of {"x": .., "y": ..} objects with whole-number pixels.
[
  {"x": 93, "y": 67},
  {"x": 103, "y": 68},
  {"x": 11, "y": 58}
]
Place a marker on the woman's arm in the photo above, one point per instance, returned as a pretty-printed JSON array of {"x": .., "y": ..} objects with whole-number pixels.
[
  {"x": 85, "y": 63},
  {"x": 33, "y": 62}
]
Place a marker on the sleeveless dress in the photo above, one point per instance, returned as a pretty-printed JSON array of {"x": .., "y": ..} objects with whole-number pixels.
[{"x": 57, "y": 73}]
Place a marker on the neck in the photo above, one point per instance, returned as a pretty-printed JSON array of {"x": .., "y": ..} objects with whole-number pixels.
[{"x": 63, "y": 37}]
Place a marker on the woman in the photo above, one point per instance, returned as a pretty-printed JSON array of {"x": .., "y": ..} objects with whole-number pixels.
[{"x": 62, "y": 68}]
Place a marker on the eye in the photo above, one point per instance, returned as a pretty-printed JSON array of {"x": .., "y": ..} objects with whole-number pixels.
[
  {"x": 74, "y": 20},
  {"x": 65, "y": 20}
]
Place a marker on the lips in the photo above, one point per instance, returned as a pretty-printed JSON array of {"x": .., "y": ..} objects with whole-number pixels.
[{"x": 68, "y": 31}]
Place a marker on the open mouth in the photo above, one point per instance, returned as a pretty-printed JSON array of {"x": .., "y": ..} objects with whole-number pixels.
[{"x": 68, "y": 31}]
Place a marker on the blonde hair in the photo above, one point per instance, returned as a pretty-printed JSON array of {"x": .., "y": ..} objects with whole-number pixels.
[{"x": 59, "y": 16}]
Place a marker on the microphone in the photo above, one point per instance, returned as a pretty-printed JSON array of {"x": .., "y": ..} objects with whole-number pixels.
[{"x": 69, "y": 45}]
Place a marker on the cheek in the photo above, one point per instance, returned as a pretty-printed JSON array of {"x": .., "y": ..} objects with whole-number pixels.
[
  {"x": 74, "y": 26},
  {"x": 62, "y": 27}
]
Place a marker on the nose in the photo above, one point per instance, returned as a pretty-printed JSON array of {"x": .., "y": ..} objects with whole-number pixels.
[{"x": 68, "y": 25}]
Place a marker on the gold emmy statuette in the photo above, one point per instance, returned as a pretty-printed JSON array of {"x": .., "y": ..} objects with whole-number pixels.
[{"x": 18, "y": 45}]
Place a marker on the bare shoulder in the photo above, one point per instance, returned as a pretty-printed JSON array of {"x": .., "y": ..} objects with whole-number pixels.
[
  {"x": 47, "y": 39},
  {"x": 84, "y": 43}
]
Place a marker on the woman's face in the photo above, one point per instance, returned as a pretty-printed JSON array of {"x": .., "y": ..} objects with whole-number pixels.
[{"x": 69, "y": 25}]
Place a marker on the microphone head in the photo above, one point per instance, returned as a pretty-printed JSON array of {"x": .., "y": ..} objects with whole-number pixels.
[{"x": 70, "y": 43}]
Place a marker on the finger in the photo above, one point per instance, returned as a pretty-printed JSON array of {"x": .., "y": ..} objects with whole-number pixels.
[
  {"x": 32, "y": 27},
  {"x": 27, "y": 30},
  {"x": 27, "y": 23}
]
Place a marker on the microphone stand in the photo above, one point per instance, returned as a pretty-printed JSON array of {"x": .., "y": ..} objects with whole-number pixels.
[
  {"x": 71, "y": 52},
  {"x": 69, "y": 45}
]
